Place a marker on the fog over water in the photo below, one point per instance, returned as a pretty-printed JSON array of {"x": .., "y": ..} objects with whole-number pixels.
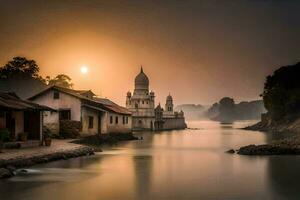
[{"x": 185, "y": 164}]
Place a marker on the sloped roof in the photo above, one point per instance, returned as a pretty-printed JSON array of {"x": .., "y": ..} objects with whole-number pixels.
[
  {"x": 11, "y": 101},
  {"x": 102, "y": 103},
  {"x": 112, "y": 106}
]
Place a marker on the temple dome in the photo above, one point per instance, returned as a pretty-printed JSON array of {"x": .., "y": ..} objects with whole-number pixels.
[{"x": 141, "y": 81}]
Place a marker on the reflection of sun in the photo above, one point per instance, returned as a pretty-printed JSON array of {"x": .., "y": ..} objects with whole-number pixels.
[{"x": 84, "y": 69}]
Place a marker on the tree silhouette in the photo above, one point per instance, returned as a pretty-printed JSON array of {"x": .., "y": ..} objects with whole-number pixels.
[
  {"x": 281, "y": 93},
  {"x": 20, "y": 65},
  {"x": 61, "y": 80}
]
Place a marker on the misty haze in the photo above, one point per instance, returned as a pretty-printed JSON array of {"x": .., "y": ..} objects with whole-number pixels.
[{"x": 146, "y": 100}]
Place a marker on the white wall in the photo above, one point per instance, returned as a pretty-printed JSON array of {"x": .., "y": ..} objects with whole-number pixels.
[
  {"x": 86, "y": 112},
  {"x": 120, "y": 127},
  {"x": 65, "y": 101},
  {"x": 19, "y": 119}
]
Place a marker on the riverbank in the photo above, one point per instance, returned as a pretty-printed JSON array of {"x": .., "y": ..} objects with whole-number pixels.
[
  {"x": 95, "y": 141},
  {"x": 268, "y": 125},
  {"x": 290, "y": 146},
  {"x": 12, "y": 159}
]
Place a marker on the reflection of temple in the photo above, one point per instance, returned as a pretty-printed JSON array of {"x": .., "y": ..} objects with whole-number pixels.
[{"x": 145, "y": 115}]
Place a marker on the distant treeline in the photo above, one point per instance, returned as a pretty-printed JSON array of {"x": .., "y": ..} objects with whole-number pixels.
[{"x": 225, "y": 110}]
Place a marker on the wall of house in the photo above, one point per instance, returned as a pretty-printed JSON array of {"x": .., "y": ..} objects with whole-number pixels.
[
  {"x": 86, "y": 113},
  {"x": 51, "y": 119},
  {"x": 119, "y": 127},
  {"x": 104, "y": 122},
  {"x": 19, "y": 119}
]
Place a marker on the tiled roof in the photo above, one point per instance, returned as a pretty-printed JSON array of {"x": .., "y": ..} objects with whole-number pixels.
[
  {"x": 11, "y": 101},
  {"x": 102, "y": 103},
  {"x": 112, "y": 106}
]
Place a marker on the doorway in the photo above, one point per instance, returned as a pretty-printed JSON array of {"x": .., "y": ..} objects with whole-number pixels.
[{"x": 32, "y": 124}]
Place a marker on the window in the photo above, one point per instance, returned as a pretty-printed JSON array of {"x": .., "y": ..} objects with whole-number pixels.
[
  {"x": 142, "y": 102},
  {"x": 117, "y": 120},
  {"x": 136, "y": 105},
  {"x": 55, "y": 95},
  {"x": 123, "y": 119},
  {"x": 126, "y": 120},
  {"x": 65, "y": 114},
  {"x": 91, "y": 122},
  {"x": 111, "y": 119}
]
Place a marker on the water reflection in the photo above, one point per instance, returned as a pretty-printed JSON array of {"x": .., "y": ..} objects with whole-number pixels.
[
  {"x": 284, "y": 176},
  {"x": 189, "y": 164}
]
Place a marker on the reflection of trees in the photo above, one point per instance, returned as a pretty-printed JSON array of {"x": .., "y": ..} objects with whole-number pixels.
[{"x": 284, "y": 176}]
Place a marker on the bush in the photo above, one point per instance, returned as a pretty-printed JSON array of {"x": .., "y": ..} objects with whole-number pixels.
[{"x": 4, "y": 135}]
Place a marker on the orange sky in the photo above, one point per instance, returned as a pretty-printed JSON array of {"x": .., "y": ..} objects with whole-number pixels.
[{"x": 199, "y": 51}]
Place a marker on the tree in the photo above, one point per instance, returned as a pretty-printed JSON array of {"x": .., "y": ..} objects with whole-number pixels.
[
  {"x": 281, "y": 93},
  {"x": 20, "y": 65},
  {"x": 61, "y": 80}
]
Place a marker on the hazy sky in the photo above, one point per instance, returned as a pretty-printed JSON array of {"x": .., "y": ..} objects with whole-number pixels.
[{"x": 199, "y": 51}]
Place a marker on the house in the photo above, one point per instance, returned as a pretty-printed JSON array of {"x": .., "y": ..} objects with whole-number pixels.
[
  {"x": 95, "y": 115},
  {"x": 20, "y": 116}
]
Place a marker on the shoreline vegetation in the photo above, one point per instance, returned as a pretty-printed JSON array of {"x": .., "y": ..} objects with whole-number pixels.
[
  {"x": 281, "y": 96},
  {"x": 87, "y": 146}
]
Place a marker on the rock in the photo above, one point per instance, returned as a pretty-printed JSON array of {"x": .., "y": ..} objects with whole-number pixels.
[
  {"x": 11, "y": 168},
  {"x": 23, "y": 171},
  {"x": 5, "y": 173},
  {"x": 271, "y": 149},
  {"x": 231, "y": 151}
]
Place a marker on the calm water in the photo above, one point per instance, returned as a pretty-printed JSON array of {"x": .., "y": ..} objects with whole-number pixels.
[{"x": 188, "y": 164}]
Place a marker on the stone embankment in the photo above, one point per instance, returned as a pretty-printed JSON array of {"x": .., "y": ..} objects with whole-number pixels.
[{"x": 11, "y": 160}]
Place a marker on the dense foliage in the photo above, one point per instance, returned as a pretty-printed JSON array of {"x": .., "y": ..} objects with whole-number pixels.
[
  {"x": 20, "y": 65},
  {"x": 61, "y": 80},
  {"x": 281, "y": 93},
  {"x": 21, "y": 68}
]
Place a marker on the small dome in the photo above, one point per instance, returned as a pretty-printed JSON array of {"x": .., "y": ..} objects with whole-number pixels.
[{"x": 141, "y": 80}]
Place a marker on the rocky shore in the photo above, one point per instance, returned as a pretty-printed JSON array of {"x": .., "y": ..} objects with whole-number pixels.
[
  {"x": 12, "y": 161},
  {"x": 8, "y": 167},
  {"x": 96, "y": 141},
  {"x": 268, "y": 125},
  {"x": 289, "y": 146}
]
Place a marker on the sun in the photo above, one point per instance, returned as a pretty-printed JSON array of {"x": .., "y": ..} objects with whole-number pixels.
[{"x": 84, "y": 69}]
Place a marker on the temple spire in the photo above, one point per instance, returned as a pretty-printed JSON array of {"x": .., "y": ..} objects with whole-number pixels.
[{"x": 142, "y": 71}]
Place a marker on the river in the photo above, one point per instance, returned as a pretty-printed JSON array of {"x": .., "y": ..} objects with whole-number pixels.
[{"x": 185, "y": 164}]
